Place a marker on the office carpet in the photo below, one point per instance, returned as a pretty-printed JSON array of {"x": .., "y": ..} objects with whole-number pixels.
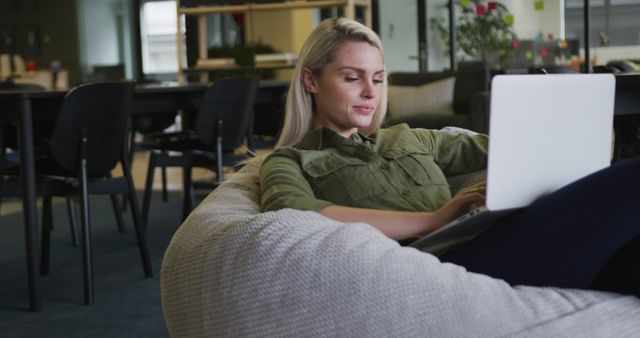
[{"x": 126, "y": 303}]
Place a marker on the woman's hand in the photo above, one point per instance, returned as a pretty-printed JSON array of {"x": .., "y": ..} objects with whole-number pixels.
[{"x": 465, "y": 200}]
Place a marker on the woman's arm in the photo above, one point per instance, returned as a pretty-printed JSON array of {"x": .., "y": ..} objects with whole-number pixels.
[
  {"x": 456, "y": 153},
  {"x": 401, "y": 225},
  {"x": 283, "y": 185}
]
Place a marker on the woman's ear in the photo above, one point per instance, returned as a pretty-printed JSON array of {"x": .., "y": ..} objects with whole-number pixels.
[{"x": 308, "y": 80}]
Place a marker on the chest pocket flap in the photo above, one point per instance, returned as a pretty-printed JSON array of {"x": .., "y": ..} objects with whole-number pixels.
[
  {"x": 341, "y": 180},
  {"x": 420, "y": 166},
  {"x": 325, "y": 165}
]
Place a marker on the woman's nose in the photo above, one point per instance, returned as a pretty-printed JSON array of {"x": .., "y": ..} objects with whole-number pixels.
[{"x": 369, "y": 90}]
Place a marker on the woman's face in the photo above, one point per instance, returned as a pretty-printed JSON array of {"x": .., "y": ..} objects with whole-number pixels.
[{"x": 347, "y": 91}]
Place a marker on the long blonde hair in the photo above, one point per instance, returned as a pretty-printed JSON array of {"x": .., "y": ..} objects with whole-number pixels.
[{"x": 319, "y": 50}]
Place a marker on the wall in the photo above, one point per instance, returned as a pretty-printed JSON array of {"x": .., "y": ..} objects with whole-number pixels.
[
  {"x": 104, "y": 34},
  {"x": 529, "y": 22},
  {"x": 58, "y": 33},
  {"x": 287, "y": 36}
]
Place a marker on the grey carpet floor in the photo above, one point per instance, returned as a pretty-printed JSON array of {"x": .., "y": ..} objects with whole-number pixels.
[{"x": 126, "y": 303}]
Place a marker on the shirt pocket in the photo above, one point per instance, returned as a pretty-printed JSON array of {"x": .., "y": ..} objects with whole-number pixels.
[
  {"x": 341, "y": 180},
  {"x": 422, "y": 169}
]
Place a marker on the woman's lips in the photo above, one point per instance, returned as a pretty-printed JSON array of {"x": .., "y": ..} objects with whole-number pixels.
[{"x": 363, "y": 109}]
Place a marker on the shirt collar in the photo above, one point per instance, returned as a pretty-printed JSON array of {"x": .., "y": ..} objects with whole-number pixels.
[{"x": 318, "y": 139}]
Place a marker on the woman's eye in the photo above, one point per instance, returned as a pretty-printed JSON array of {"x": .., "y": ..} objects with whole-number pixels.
[
  {"x": 351, "y": 78},
  {"x": 377, "y": 80}
]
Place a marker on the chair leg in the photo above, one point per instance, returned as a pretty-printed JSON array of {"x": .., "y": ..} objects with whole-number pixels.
[
  {"x": 165, "y": 195},
  {"x": 132, "y": 149},
  {"x": 1, "y": 189},
  {"x": 123, "y": 205},
  {"x": 137, "y": 222},
  {"x": 188, "y": 200},
  {"x": 219, "y": 167},
  {"x": 85, "y": 232},
  {"x": 146, "y": 201},
  {"x": 3, "y": 157},
  {"x": 73, "y": 221},
  {"x": 118, "y": 212},
  {"x": 45, "y": 242}
]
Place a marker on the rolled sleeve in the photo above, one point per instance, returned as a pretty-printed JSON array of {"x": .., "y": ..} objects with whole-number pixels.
[
  {"x": 283, "y": 185},
  {"x": 460, "y": 153}
]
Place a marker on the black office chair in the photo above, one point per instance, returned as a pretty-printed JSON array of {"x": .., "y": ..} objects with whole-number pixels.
[
  {"x": 150, "y": 126},
  {"x": 9, "y": 157},
  {"x": 88, "y": 141},
  {"x": 221, "y": 126}
]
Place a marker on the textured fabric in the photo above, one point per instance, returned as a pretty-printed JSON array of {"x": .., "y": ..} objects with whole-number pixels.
[
  {"x": 398, "y": 169},
  {"x": 431, "y": 98},
  {"x": 231, "y": 271}
]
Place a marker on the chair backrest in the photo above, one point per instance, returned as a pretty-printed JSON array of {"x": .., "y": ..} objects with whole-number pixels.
[
  {"x": 102, "y": 109},
  {"x": 230, "y": 100}
]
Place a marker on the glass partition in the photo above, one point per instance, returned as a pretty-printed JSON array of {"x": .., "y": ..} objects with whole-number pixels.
[
  {"x": 614, "y": 32},
  {"x": 511, "y": 35}
]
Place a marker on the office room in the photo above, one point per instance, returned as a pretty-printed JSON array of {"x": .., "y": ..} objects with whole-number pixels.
[{"x": 319, "y": 168}]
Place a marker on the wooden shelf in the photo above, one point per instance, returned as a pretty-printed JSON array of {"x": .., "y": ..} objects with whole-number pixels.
[
  {"x": 204, "y": 69},
  {"x": 202, "y": 11},
  {"x": 270, "y": 6}
]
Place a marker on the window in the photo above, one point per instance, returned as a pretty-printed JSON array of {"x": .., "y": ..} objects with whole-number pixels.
[{"x": 158, "y": 23}]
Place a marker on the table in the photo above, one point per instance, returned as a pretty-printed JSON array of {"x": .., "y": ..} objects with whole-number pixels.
[{"x": 21, "y": 108}]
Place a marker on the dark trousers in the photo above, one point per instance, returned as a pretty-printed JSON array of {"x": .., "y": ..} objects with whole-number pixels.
[{"x": 584, "y": 235}]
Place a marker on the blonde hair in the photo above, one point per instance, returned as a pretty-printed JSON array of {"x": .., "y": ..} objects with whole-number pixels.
[{"x": 319, "y": 50}]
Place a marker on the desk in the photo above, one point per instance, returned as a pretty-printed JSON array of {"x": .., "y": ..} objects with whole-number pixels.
[
  {"x": 158, "y": 98},
  {"x": 21, "y": 107}
]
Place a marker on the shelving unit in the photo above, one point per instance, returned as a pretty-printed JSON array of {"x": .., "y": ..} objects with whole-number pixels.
[{"x": 202, "y": 11}]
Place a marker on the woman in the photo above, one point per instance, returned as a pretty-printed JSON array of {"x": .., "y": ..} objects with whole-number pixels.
[{"x": 333, "y": 158}]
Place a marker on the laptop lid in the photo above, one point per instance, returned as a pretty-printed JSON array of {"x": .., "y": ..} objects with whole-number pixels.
[{"x": 545, "y": 132}]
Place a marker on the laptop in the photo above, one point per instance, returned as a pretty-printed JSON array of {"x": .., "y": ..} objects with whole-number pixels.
[{"x": 545, "y": 131}]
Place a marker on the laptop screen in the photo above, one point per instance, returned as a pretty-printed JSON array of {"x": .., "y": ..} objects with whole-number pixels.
[{"x": 546, "y": 131}]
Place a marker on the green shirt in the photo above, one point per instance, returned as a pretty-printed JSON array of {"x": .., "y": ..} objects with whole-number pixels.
[{"x": 398, "y": 168}]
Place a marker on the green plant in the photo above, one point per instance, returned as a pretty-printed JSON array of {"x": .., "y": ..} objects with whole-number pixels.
[{"x": 484, "y": 30}]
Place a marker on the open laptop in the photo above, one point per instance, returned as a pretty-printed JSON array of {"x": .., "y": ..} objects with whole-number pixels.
[{"x": 545, "y": 131}]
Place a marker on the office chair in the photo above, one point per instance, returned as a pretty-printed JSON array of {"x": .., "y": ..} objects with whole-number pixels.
[
  {"x": 221, "y": 126},
  {"x": 150, "y": 126},
  {"x": 88, "y": 141},
  {"x": 9, "y": 157}
]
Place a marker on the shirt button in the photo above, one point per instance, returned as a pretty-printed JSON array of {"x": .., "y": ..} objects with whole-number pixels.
[
  {"x": 406, "y": 193},
  {"x": 384, "y": 166}
]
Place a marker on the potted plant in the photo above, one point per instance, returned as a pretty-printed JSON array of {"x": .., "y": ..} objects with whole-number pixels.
[{"x": 484, "y": 31}]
